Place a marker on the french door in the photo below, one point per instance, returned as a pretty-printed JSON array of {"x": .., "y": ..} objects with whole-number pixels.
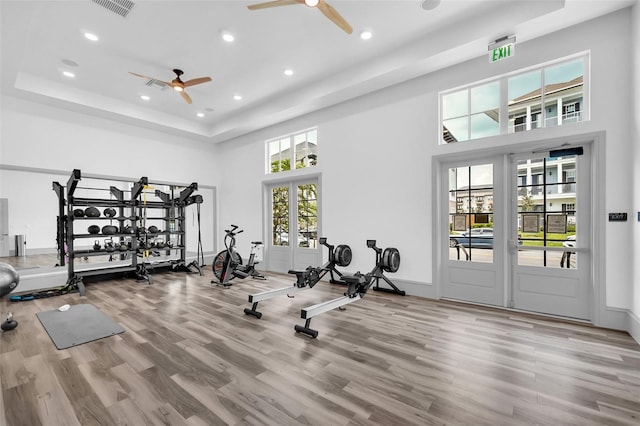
[
  {"x": 474, "y": 265},
  {"x": 293, "y": 218},
  {"x": 552, "y": 262},
  {"x": 519, "y": 232}
]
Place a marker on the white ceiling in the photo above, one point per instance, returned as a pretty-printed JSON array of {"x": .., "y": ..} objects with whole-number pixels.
[{"x": 330, "y": 66}]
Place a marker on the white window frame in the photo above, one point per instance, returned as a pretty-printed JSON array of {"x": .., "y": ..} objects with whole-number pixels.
[
  {"x": 292, "y": 151},
  {"x": 504, "y": 97}
]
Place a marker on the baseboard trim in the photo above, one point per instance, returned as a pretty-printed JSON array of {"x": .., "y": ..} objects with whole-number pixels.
[
  {"x": 413, "y": 288},
  {"x": 633, "y": 326}
]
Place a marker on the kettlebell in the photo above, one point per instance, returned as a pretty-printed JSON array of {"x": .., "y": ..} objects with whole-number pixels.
[
  {"x": 109, "y": 230},
  {"x": 109, "y": 212},
  {"x": 93, "y": 229},
  {"x": 123, "y": 246},
  {"x": 91, "y": 212},
  {"x": 141, "y": 244},
  {"x": 128, "y": 229},
  {"x": 108, "y": 245},
  {"x": 153, "y": 229},
  {"x": 96, "y": 245},
  {"x": 78, "y": 213},
  {"x": 169, "y": 244},
  {"x": 160, "y": 244}
]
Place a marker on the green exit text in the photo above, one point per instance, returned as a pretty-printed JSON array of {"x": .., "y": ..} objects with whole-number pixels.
[{"x": 502, "y": 52}]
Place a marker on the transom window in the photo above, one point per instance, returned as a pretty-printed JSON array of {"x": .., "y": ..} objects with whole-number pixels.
[
  {"x": 299, "y": 149},
  {"x": 547, "y": 96}
]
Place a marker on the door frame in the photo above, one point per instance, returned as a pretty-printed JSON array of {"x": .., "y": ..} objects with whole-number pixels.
[
  {"x": 601, "y": 315},
  {"x": 296, "y": 179}
]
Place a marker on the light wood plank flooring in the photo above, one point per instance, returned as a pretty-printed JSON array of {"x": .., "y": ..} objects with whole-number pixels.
[{"x": 190, "y": 356}]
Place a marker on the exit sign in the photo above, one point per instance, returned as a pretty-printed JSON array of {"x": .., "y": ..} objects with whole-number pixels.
[{"x": 502, "y": 52}]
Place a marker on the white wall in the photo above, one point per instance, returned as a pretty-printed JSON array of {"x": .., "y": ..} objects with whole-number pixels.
[
  {"x": 635, "y": 142},
  {"x": 375, "y": 153},
  {"x": 38, "y": 136}
]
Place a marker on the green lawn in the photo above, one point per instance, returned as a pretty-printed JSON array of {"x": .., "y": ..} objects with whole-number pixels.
[{"x": 559, "y": 238}]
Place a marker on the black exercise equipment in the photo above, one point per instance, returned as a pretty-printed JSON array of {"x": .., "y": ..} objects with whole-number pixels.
[
  {"x": 357, "y": 286},
  {"x": 109, "y": 230},
  {"x": 93, "y": 229},
  {"x": 91, "y": 212},
  {"x": 9, "y": 280},
  {"x": 227, "y": 264},
  {"x": 307, "y": 278},
  {"x": 109, "y": 212}
]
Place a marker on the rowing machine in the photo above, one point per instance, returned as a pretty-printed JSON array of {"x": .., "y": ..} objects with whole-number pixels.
[
  {"x": 307, "y": 278},
  {"x": 357, "y": 286}
]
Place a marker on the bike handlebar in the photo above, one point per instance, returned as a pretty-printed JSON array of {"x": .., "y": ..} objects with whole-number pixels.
[{"x": 232, "y": 231}]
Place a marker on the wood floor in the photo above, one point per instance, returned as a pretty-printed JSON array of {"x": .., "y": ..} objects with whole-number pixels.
[{"x": 190, "y": 356}]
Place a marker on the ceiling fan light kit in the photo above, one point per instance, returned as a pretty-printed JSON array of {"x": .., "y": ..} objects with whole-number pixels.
[{"x": 177, "y": 83}]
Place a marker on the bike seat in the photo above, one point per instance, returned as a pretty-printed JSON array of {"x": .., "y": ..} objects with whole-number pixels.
[
  {"x": 354, "y": 279},
  {"x": 256, "y": 243}
]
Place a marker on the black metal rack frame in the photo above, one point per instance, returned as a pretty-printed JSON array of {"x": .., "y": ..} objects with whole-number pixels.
[{"x": 132, "y": 210}]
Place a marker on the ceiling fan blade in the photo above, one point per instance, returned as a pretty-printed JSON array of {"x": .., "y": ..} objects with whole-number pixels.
[
  {"x": 275, "y": 3},
  {"x": 333, "y": 14},
  {"x": 195, "y": 81},
  {"x": 185, "y": 96},
  {"x": 149, "y": 78}
]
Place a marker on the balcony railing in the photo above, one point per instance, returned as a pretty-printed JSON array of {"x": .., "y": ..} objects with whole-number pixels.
[{"x": 570, "y": 117}]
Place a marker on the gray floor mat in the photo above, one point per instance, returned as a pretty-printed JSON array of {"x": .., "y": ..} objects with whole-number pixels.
[{"x": 80, "y": 324}]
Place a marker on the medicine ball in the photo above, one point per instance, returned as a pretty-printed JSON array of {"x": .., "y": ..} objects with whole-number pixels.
[
  {"x": 9, "y": 279},
  {"x": 153, "y": 229},
  {"x": 123, "y": 246},
  {"x": 109, "y": 230},
  {"x": 91, "y": 212},
  {"x": 390, "y": 260},
  {"x": 109, "y": 212},
  {"x": 78, "y": 213},
  {"x": 342, "y": 255},
  {"x": 93, "y": 229}
]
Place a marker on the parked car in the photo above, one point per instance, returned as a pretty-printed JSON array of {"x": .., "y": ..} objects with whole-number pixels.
[{"x": 478, "y": 238}]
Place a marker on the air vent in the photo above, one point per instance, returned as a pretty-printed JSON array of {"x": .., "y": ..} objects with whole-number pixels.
[
  {"x": 119, "y": 7},
  {"x": 161, "y": 84}
]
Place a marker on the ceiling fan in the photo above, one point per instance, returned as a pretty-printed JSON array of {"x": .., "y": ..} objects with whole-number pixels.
[
  {"x": 324, "y": 7},
  {"x": 177, "y": 84}
]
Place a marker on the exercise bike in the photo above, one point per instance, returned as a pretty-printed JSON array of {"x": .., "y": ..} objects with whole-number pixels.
[
  {"x": 227, "y": 264},
  {"x": 307, "y": 278}
]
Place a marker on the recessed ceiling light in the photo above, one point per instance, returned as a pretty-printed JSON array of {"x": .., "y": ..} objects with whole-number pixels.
[
  {"x": 200, "y": 114},
  {"x": 237, "y": 97},
  {"x": 68, "y": 74},
  {"x": 311, "y": 3},
  {"x": 228, "y": 37},
  {"x": 144, "y": 97},
  {"x": 90, "y": 36},
  {"x": 366, "y": 35},
  {"x": 288, "y": 72}
]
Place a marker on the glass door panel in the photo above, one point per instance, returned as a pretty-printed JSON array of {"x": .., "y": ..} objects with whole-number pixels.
[
  {"x": 471, "y": 213},
  {"x": 547, "y": 212}
]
